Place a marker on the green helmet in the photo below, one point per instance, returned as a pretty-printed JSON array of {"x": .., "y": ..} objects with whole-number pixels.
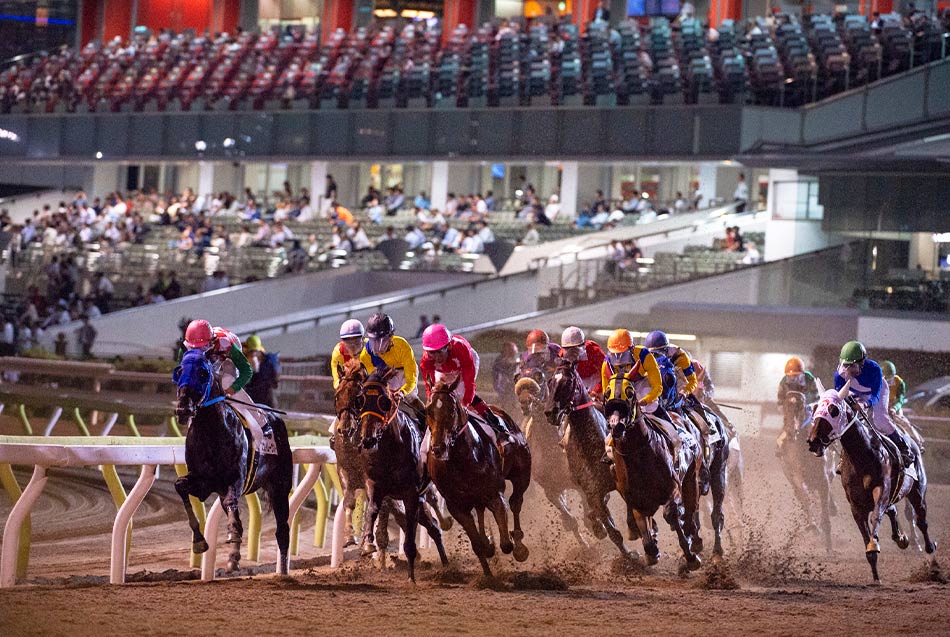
[
  {"x": 889, "y": 369},
  {"x": 253, "y": 343},
  {"x": 852, "y": 352}
]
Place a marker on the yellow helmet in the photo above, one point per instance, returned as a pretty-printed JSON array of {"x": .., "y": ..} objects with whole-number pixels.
[{"x": 619, "y": 341}]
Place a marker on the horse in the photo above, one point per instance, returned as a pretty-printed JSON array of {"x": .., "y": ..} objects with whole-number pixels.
[
  {"x": 549, "y": 469},
  {"x": 390, "y": 443},
  {"x": 221, "y": 459},
  {"x": 466, "y": 467},
  {"x": 586, "y": 432},
  {"x": 809, "y": 480},
  {"x": 872, "y": 476},
  {"x": 654, "y": 471}
]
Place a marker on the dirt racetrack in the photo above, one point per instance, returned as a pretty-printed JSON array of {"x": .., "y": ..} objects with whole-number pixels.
[{"x": 775, "y": 578}]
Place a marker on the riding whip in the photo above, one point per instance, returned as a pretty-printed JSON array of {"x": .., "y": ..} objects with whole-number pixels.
[{"x": 255, "y": 406}]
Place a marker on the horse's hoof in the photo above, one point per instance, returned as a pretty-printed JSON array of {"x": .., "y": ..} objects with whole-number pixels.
[
  {"x": 368, "y": 550},
  {"x": 902, "y": 542},
  {"x": 199, "y": 547},
  {"x": 233, "y": 566},
  {"x": 445, "y": 523},
  {"x": 507, "y": 548},
  {"x": 598, "y": 530},
  {"x": 694, "y": 563},
  {"x": 653, "y": 560},
  {"x": 350, "y": 541},
  {"x": 931, "y": 547},
  {"x": 697, "y": 545},
  {"x": 717, "y": 550},
  {"x": 875, "y": 582},
  {"x": 520, "y": 553}
]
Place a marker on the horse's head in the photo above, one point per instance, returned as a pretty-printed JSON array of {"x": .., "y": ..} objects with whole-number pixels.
[
  {"x": 566, "y": 393},
  {"x": 352, "y": 375},
  {"x": 195, "y": 380},
  {"x": 444, "y": 414},
  {"x": 377, "y": 409},
  {"x": 831, "y": 419},
  {"x": 530, "y": 394}
]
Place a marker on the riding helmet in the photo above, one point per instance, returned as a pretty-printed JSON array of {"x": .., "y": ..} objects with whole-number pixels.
[
  {"x": 794, "y": 366},
  {"x": 380, "y": 325},
  {"x": 852, "y": 352},
  {"x": 656, "y": 339},
  {"x": 889, "y": 369},
  {"x": 253, "y": 344},
  {"x": 351, "y": 328},
  {"x": 435, "y": 337},
  {"x": 536, "y": 342},
  {"x": 572, "y": 337},
  {"x": 198, "y": 334},
  {"x": 619, "y": 341}
]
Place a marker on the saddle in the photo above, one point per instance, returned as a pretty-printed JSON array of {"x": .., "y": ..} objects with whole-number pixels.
[{"x": 268, "y": 444}]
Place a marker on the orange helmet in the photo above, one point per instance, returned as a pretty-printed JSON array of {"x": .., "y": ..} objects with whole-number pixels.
[
  {"x": 794, "y": 366},
  {"x": 619, "y": 341},
  {"x": 537, "y": 341}
]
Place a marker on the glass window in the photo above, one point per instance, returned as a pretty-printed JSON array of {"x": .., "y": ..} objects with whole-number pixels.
[{"x": 285, "y": 13}]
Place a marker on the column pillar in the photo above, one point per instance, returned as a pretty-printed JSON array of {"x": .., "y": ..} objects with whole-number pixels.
[
  {"x": 205, "y": 178},
  {"x": 922, "y": 251},
  {"x": 570, "y": 177},
  {"x": 318, "y": 183},
  {"x": 708, "y": 178},
  {"x": 439, "y": 188},
  {"x": 337, "y": 14}
]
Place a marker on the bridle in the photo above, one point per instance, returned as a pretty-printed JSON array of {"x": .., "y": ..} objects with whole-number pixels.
[
  {"x": 204, "y": 389},
  {"x": 350, "y": 410},
  {"x": 376, "y": 390},
  {"x": 558, "y": 412},
  {"x": 461, "y": 421}
]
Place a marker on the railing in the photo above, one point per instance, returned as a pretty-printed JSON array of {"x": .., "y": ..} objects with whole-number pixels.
[{"x": 44, "y": 453}]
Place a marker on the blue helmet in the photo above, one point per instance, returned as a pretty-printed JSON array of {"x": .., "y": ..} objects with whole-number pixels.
[{"x": 656, "y": 339}]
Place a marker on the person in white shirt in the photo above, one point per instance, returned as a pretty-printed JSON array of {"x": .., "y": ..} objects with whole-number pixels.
[
  {"x": 531, "y": 237},
  {"x": 752, "y": 255},
  {"x": 553, "y": 208},
  {"x": 471, "y": 244},
  {"x": 359, "y": 238},
  {"x": 480, "y": 206},
  {"x": 485, "y": 233},
  {"x": 451, "y": 238},
  {"x": 280, "y": 234},
  {"x": 680, "y": 205},
  {"x": 340, "y": 241},
  {"x": 428, "y": 219},
  {"x": 741, "y": 194},
  {"x": 414, "y": 237}
]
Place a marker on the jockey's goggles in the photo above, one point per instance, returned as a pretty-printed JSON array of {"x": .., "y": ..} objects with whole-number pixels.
[
  {"x": 621, "y": 358},
  {"x": 576, "y": 352},
  {"x": 380, "y": 344}
]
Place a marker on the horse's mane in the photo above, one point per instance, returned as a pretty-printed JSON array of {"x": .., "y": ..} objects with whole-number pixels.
[
  {"x": 352, "y": 367},
  {"x": 380, "y": 375}
]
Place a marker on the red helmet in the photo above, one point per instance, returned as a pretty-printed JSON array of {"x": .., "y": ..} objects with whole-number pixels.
[
  {"x": 198, "y": 334},
  {"x": 435, "y": 337},
  {"x": 537, "y": 341},
  {"x": 225, "y": 339}
]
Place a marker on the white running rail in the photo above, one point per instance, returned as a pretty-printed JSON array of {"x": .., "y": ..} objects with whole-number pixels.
[{"x": 70, "y": 451}]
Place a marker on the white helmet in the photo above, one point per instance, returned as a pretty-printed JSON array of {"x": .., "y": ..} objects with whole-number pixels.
[
  {"x": 572, "y": 337},
  {"x": 351, "y": 328}
]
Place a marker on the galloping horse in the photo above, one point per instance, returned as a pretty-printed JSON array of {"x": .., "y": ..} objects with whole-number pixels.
[
  {"x": 466, "y": 467},
  {"x": 221, "y": 459},
  {"x": 586, "y": 433},
  {"x": 808, "y": 479},
  {"x": 652, "y": 472},
  {"x": 390, "y": 448},
  {"x": 548, "y": 461},
  {"x": 873, "y": 477}
]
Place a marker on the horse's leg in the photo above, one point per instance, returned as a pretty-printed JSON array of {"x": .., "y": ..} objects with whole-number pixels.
[
  {"x": 429, "y": 522},
  {"x": 598, "y": 507},
  {"x": 518, "y": 487},
  {"x": 559, "y": 500},
  {"x": 479, "y": 545},
  {"x": 374, "y": 499},
  {"x": 643, "y": 525},
  {"x": 918, "y": 499},
  {"x": 876, "y": 516},
  {"x": 861, "y": 519},
  {"x": 489, "y": 540},
  {"x": 412, "y": 525},
  {"x": 235, "y": 529},
  {"x": 186, "y": 486},
  {"x": 896, "y": 534},
  {"x": 436, "y": 503},
  {"x": 673, "y": 513},
  {"x": 349, "y": 505},
  {"x": 280, "y": 503},
  {"x": 718, "y": 488},
  {"x": 499, "y": 508},
  {"x": 912, "y": 523}
]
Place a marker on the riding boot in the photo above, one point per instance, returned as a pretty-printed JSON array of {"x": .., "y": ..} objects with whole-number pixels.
[
  {"x": 906, "y": 456},
  {"x": 416, "y": 408},
  {"x": 501, "y": 431}
]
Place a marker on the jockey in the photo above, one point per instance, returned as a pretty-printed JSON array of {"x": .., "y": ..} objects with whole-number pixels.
[
  {"x": 797, "y": 378},
  {"x": 588, "y": 356},
  {"x": 383, "y": 347},
  {"x": 447, "y": 357},
  {"x": 540, "y": 353},
  {"x": 231, "y": 367},
  {"x": 897, "y": 396},
  {"x": 349, "y": 347},
  {"x": 869, "y": 390}
]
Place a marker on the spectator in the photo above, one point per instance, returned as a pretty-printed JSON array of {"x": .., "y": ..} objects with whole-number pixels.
[
  {"x": 340, "y": 241},
  {"x": 451, "y": 238},
  {"x": 423, "y": 324},
  {"x": 490, "y": 201},
  {"x": 471, "y": 244},
  {"x": 414, "y": 237},
  {"x": 552, "y": 209},
  {"x": 741, "y": 194},
  {"x": 173, "y": 287},
  {"x": 86, "y": 336},
  {"x": 8, "y": 338},
  {"x": 531, "y": 236},
  {"x": 680, "y": 204},
  {"x": 394, "y": 201},
  {"x": 752, "y": 255},
  {"x": 429, "y": 219},
  {"x": 340, "y": 215},
  {"x": 218, "y": 280},
  {"x": 602, "y": 12},
  {"x": 422, "y": 201},
  {"x": 359, "y": 238},
  {"x": 485, "y": 233}
]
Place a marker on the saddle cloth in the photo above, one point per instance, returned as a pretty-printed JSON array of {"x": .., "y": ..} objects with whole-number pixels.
[
  {"x": 679, "y": 445},
  {"x": 898, "y": 461}
]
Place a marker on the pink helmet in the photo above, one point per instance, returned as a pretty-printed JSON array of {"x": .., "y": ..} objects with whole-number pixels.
[
  {"x": 435, "y": 337},
  {"x": 225, "y": 339},
  {"x": 198, "y": 334}
]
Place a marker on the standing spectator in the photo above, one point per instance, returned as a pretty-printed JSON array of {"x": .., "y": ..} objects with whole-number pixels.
[
  {"x": 102, "y": 291},
  {"x": 680, "y": 204},
  {"x": 8, "y": 338},
  {"x": 329, "y": 195},
  {"x": 86, "y": 335},
  {"x": 490, "y": 201},
  {"x": 741, "y": 194},
  {"x": 602, "y": 12},
  {"x": 423, "y": 324}
]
